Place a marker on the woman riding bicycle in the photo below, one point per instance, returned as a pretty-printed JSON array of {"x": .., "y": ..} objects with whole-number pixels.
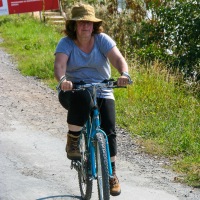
[{"x": 85, "y": 54}]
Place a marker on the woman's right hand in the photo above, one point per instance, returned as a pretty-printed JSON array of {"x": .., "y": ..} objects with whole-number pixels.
[{"x": 66, "y": 85}]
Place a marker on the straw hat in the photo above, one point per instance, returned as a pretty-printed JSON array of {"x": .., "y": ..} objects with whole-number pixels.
[{"x": 83, "y": 12}]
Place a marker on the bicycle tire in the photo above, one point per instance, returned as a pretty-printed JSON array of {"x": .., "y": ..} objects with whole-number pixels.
[
  {"x": 85, "y": 182},
  {"x": 103, "y": 185}
]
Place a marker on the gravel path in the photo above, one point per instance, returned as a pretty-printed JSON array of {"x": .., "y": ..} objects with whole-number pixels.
[{"x": 32, "y": 141}]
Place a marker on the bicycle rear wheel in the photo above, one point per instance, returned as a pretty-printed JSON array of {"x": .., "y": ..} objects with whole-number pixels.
[
  {"x": 85, "y": 183},
  {"x": 102, "y": 168}
]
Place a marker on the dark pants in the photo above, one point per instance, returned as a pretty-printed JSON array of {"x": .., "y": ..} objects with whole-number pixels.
[{"x": 79, "y": 105}]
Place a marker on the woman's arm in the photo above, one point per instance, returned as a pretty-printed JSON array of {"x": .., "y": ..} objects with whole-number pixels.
[
  {"x": 118, "y": 61},
  {"x": 60, "y": 66}
]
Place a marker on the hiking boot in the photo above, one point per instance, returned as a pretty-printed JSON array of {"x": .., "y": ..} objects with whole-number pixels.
[
  {"x": 115, "y": 188},
  {"x": 72, "y": 147}
]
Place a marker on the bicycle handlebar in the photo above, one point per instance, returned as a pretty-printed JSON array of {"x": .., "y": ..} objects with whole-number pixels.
[{"x": 105, "y": 84}]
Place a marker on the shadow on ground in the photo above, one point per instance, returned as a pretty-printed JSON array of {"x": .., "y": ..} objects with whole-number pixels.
[{"x": 59, "y": 197}]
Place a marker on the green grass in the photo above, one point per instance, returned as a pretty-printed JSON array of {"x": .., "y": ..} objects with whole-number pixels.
[
  {"x": 156, "y": 107},
  {"x": 165, "y": 117},
  {"x": 32, "y": 42}
]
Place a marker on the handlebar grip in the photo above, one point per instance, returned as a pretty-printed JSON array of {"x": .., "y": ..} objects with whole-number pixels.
[{"x": 76, "y": 84}]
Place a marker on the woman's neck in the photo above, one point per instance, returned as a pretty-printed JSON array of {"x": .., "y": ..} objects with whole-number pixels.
[
  {"x": 85, "y": 44},
  {"x": 83, "y": 41}
]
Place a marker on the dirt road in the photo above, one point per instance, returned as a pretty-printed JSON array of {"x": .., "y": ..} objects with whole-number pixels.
[{"x": 33, "y": 164}]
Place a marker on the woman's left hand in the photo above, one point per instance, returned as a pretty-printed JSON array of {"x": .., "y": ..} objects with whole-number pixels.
[{"x": 122, "y": 81}]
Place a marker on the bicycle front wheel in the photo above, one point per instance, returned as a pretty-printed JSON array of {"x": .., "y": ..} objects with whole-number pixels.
[
  {"x": 85, "y": 182},
  {"x": 102, "y": 168}
]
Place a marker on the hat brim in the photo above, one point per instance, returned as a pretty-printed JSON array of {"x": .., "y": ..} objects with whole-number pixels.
[{"x": 90, "y": 19}]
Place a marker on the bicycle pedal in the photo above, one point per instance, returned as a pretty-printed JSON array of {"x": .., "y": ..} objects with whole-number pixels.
[
  {"x": 75, "y": 164},
  {"x": 91, "y": 178},
  {"x": 72, "y": 164}
]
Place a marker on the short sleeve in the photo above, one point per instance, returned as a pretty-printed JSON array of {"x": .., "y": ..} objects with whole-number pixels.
[
  {"x": 105, "y": 42},
  {"x": 64, "y": 46}
]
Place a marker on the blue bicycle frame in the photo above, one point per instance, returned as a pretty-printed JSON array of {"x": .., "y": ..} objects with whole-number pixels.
[{"x": 93, "y": 127}]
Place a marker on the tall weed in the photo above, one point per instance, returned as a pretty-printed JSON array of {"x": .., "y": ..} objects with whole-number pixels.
[{"x": 162, "y": 113}]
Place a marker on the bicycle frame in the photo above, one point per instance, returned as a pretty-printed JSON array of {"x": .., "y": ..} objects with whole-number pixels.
[{"x": 93, "y": 126}]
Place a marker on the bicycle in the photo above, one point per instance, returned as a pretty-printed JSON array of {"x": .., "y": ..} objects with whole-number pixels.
[{"x": 95, "y": 163}]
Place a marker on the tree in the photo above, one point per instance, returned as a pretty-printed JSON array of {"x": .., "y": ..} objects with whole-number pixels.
[
  {"x": 173, "y": 35},
  {"x": 180, "y": 25}
]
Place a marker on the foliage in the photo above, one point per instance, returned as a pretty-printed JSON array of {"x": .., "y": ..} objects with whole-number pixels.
[
  {"x": 172, "y": 35},
  {"x": 180, "y": 24},
  {"x": 159, "y": 30}
]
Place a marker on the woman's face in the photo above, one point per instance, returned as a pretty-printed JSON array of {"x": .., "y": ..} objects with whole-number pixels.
[{"x": 84, "y": 29}]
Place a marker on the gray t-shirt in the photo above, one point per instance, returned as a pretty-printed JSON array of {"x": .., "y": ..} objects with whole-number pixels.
[{"x": 90, "y": 67}]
